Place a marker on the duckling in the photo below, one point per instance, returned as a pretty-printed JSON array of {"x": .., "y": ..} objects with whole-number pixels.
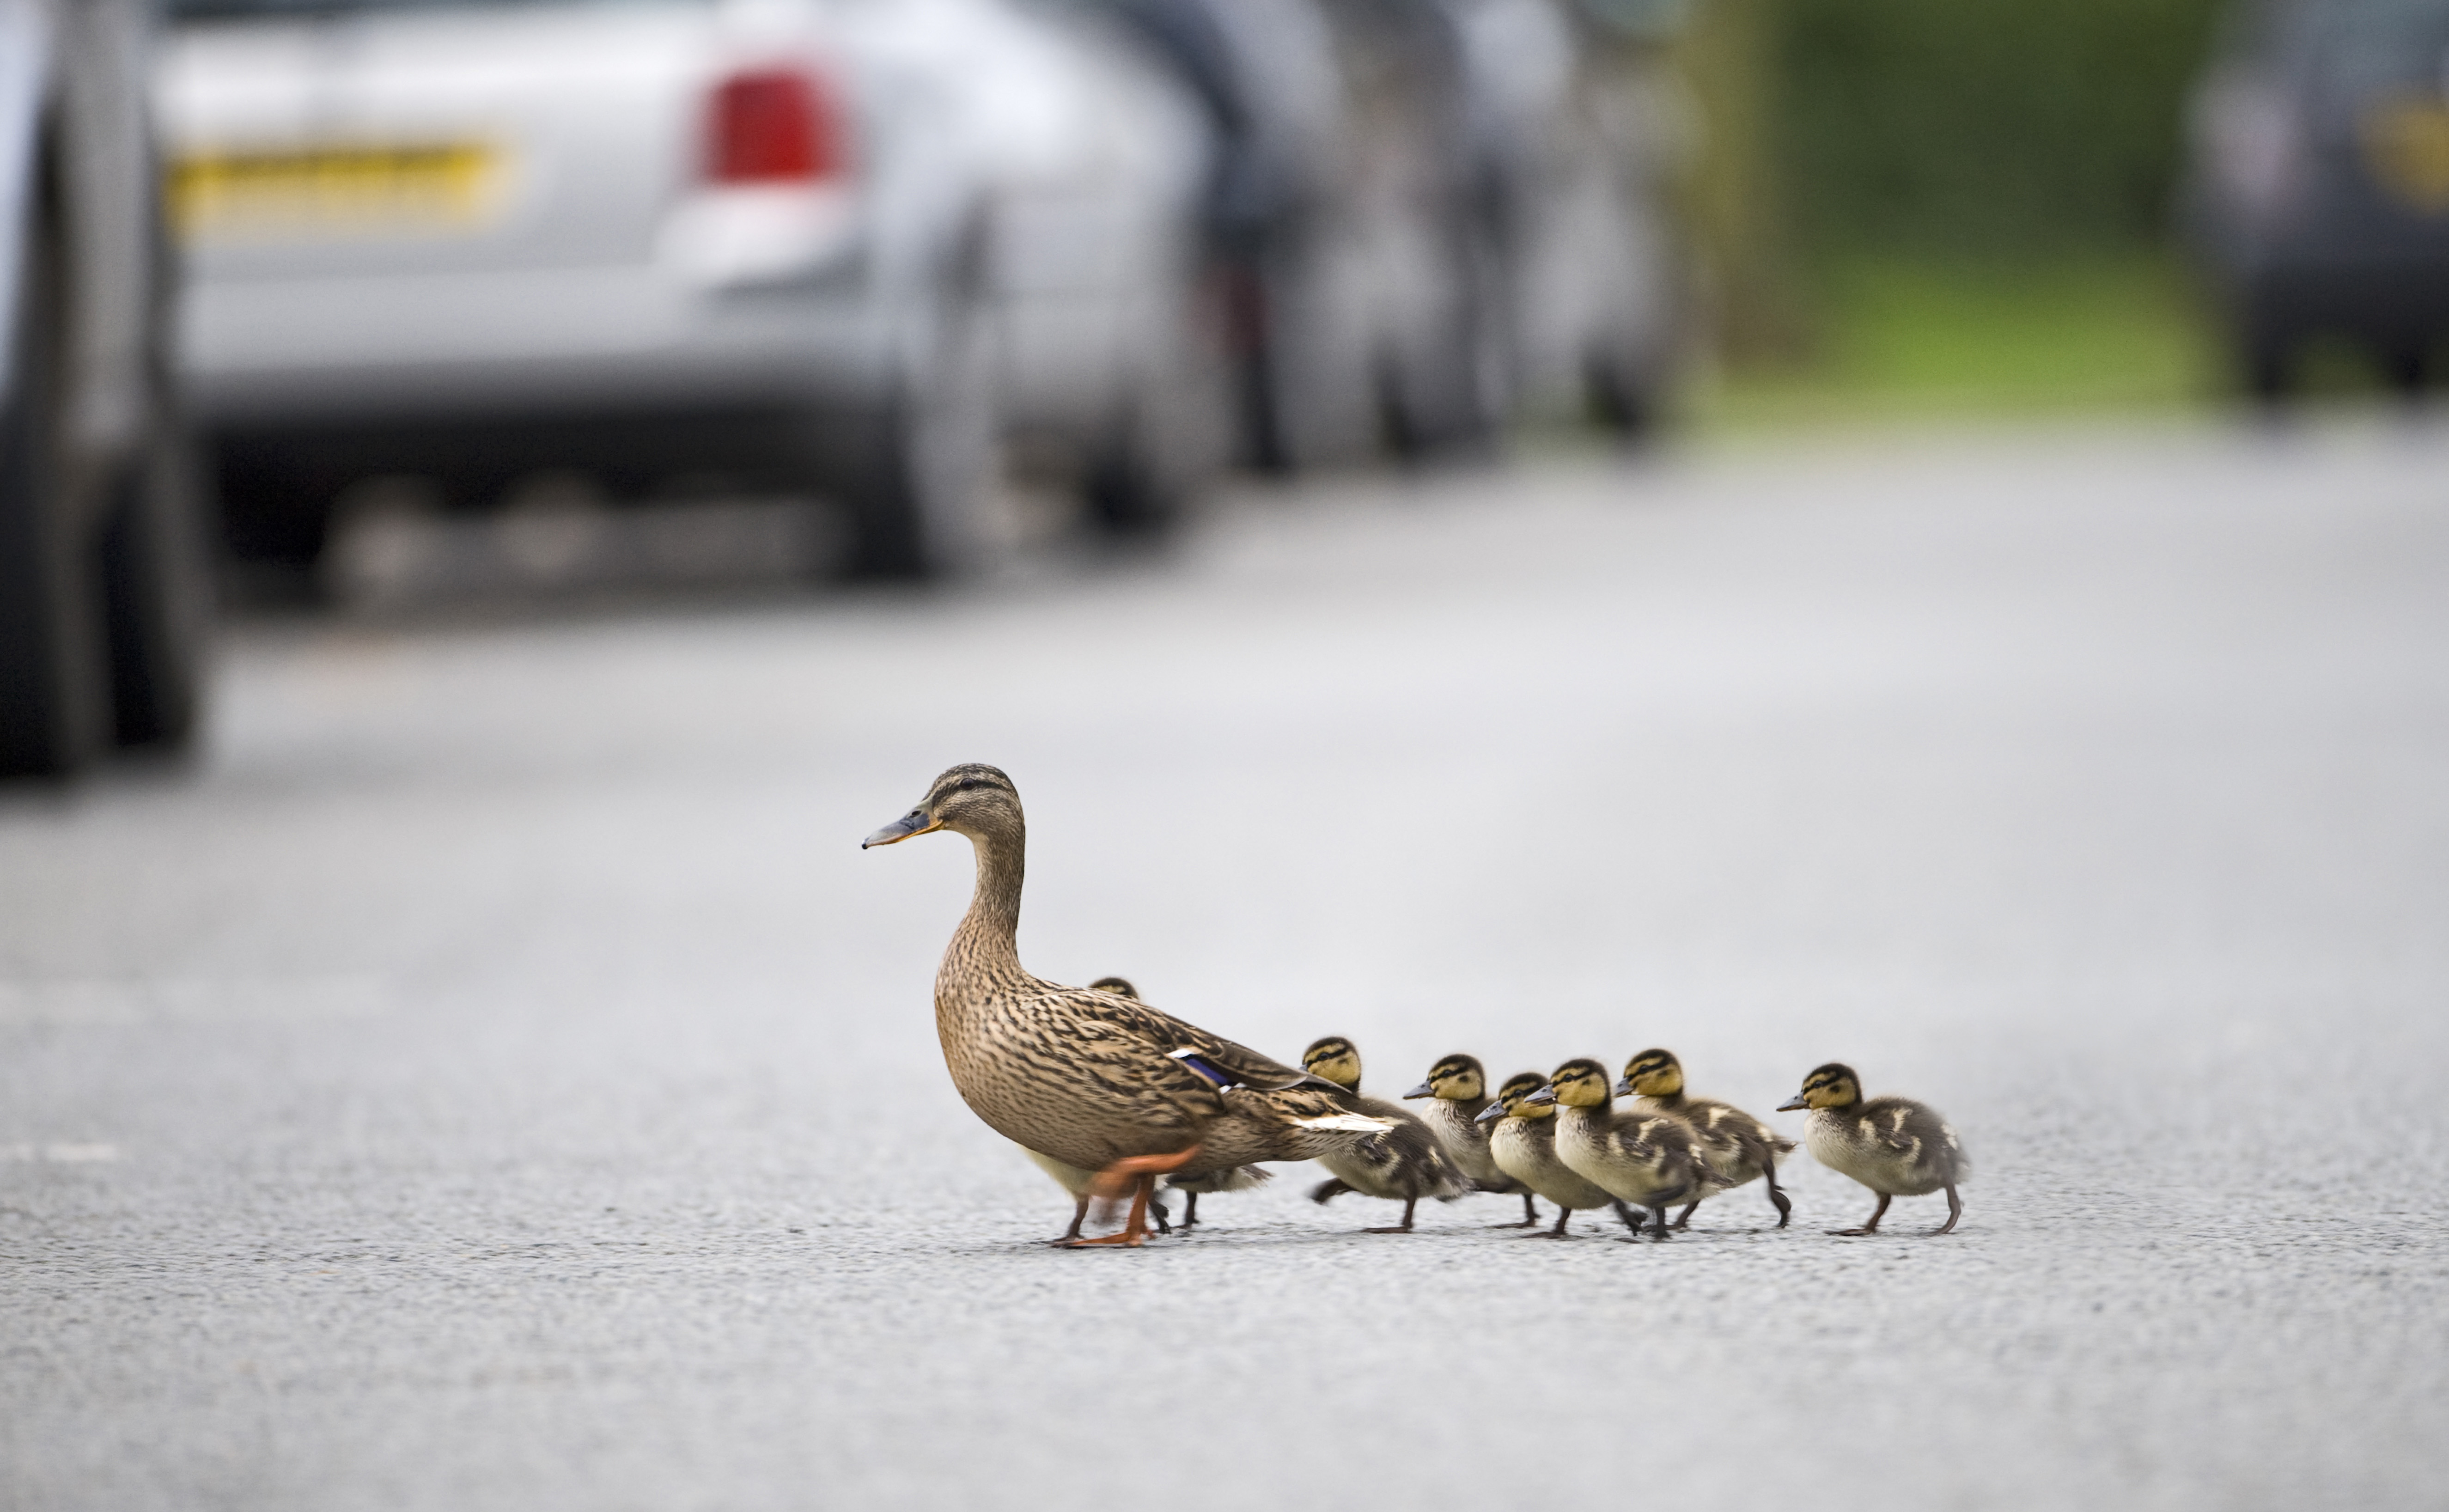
[
  {"x": 1738, "y": 1146},
  {"x": 1094, "y": 1080},
  {"x": 1240, "y": 1178},
  {"x": 1522, "y": 1139},
  {"x": 1895, "y": 1146},
  {"x": 1457, "y": 1094},
  {"x": 1648, "y": 1159},
  {"x": 1404, "y": 1165}
]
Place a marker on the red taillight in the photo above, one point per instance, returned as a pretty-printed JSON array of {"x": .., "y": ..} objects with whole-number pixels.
[{"x": 772, "y": 125}]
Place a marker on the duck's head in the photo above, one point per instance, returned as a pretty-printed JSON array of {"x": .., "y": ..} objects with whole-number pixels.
[
  {"x": 1456, "y": 1079},
  {"x": 1833, "y": 1085},
  {"x": 971, "y": 800},
  {"x": 1513, "y": 1099},
  {"x": 1119, "y": 986},
  {"x": 1652, "y": 1073},
  {"x": 1576, "y": 1084},
  {"x": 1333, "y": 1059}
]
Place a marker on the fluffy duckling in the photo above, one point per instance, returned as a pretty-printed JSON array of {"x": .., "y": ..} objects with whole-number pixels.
[
  {"x": 1094, "y": 1080},
  {"x": 1522, "y": 1140},
  {"x": 1648, "y": 1159},
  {"x": 1895, "y": 1146},
  {"x": 1457, "y": 1094},
  {"x": 1739, "y": 1147},
  {"x": 1405, "y": 1164},
  {"x": 1236, "y": 1178}
]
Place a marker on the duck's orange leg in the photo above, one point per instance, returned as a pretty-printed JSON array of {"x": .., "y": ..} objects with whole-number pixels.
[{"x": 1137, "y": 1175}]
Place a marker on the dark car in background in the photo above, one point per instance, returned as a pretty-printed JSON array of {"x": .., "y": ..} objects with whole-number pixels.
[
  {"x": 105, "y": 576},
  {"x": 2319, "y": 190}
]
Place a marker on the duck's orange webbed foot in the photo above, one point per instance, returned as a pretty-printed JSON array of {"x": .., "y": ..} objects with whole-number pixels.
[{"x": 1137, "y": 1175}]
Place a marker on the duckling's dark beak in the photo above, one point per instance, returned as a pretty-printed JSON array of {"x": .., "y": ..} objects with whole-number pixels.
[
  {"x": 1623, "y": 1088},
  {"x": 1793, "y": 1104},
  {"x": 913, "y": 823},
  {"x": 1544, "y": 1098},
  {"x": 1490, "y": 1114},
  {"x": 1423, "y": 1089}
]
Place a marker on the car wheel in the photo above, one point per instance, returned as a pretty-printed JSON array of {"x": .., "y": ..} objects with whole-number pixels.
[
  {"x": 54, "y": 683},
  {"x": 157, "y": 589},
  {"x": 919, "y": 470},
  {"x": 1620, "y": 392},
  {"x": 1169, "y": 438}
]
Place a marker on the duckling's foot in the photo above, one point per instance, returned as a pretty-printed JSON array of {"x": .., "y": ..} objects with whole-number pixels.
[
  {"x": 1659, "y": 1228},
  {"x": 1785, "y": 1208},
  {"x": 1326, "y": 1192},
  {"x": 1624, "y": 1211},
  {"x": 1079, "y": 1216},
  {"x": 1684, "y": 1219},
  {"x": 1404, "y": 1227},
  {"x": 1870, "y": 1225},
  {"x": 1955, "y": 1211},
  {"x": 1564, "y": 1216},
  {"x": 1189, "y": 1210}
]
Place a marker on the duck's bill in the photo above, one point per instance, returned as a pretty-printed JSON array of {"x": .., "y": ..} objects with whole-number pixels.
[
  {"x": 1793, "y": 1104},
  {"x": 1623, "y": 1088},
  {"x": 1423, "y": 1089},
  {"x": 1544, "y": 1098},
  {"x": 913, "y": 823},
  {"x": 1490, "y": 1114}
]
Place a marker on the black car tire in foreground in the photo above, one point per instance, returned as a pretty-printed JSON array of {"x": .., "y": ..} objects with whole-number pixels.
[{"x": 105, "y": 601}]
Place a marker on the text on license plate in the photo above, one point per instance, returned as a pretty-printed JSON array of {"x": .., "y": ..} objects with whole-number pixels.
[{"x": 342, "y": 190}]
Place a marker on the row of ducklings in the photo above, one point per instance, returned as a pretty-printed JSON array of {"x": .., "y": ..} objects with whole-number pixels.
[{"x": 1559, "y": 1136}]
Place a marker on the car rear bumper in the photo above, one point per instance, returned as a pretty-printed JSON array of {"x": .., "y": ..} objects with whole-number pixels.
[{"x": 501, "y": 343}]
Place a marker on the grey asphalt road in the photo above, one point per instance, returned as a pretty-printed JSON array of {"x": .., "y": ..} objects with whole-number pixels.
[{"x": 496, "y": 1078}]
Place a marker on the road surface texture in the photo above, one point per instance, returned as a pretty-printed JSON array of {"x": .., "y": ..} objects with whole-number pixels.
[{"x": 496, "y": 1079}]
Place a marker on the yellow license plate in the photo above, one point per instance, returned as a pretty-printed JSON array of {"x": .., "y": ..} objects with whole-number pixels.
[
  {"x": 334, "y": 190},
  {"x": 2406, "y": 145}
]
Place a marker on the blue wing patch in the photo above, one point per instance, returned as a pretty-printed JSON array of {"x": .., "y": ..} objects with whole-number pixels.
[{"x": 1209, "y": 1070}]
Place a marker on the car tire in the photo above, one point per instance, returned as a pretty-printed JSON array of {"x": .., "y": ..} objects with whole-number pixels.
[
  {"x": 918, "y": 467},
  {"x": 1169, "y": 435},
  {"x": 54, "y": 679},
  {"x": 158, "y": 590}
]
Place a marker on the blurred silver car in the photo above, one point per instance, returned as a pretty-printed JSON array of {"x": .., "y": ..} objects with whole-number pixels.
[
  {"x": 105, "y": 599},
  {"x": 763, "y": 242}
]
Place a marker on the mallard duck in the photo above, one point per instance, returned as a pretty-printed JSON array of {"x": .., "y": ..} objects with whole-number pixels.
[
  {"x": 1241, "y": 1178},
  {"x": 1522, "y": 1139},
  {"x": 1648, "y": 1159},
  {"x": 1457, "y": 1093},
  {"x": 1739, "y": 1147},
  {"x": 1089, "y": 1079},
  {"x": 1895, "y": 1146},
  {"x": 1404, "y": 1165}
]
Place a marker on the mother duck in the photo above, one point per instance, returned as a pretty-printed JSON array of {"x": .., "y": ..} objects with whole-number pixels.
[{"x": 1091, "y": 1079}]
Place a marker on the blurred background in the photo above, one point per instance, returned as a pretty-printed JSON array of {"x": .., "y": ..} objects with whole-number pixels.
[{"x": 381, "y": 300}]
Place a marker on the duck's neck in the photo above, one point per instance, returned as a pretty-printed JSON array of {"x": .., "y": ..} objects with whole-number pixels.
[{"x": 988, "y": 937}]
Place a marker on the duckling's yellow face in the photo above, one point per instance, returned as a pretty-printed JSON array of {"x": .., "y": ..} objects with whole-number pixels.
[
  {"x": 1119, "y": 986},
  {"x": 1333, "y": 1059},
  {"x": 1831, "y": 1086},
  {"x": 1581, "y": 1084},
  {"x": 1519, "y": 1087},
  {"x": 1456, "y": 1079},
  {"x": 1652, "y": 1074},
  {"x": 972, "y": 799}
]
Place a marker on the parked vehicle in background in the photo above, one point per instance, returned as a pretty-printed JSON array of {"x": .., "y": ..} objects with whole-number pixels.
[
  {"x": 1426, "y": 215},
  {"x": 2319, "y": 185},
  {"x": 735, "y": 245},
  {"x": 105, "y": 589},
  {"x": 1573, "y": 137}
]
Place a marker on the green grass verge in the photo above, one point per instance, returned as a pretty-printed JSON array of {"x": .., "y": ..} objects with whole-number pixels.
[{"x": 1904, "y": 339}]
